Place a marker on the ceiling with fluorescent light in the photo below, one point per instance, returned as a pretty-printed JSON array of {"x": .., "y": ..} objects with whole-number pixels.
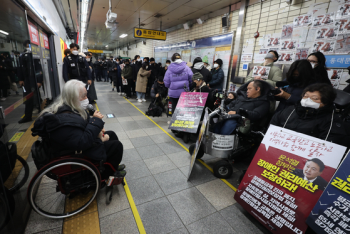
[
  {"x": 12, "y": 21},
  {"x": 173, "y": 12}
]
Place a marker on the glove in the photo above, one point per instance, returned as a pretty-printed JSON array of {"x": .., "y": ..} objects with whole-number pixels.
[{"x": 243, "y": 112}]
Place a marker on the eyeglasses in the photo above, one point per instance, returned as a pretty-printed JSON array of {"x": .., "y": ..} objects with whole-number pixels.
[
  {"x": 312, "y": 61},
  {"x": 313, "y": 98}
]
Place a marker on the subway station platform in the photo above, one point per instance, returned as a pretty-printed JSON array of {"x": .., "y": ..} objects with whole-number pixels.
[{"x": 157, "y": 198}]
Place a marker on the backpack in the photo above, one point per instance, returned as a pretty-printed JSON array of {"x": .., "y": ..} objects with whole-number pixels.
[
  {"x": 154, "y": 110},
  {"x": 42, "y": 153}
]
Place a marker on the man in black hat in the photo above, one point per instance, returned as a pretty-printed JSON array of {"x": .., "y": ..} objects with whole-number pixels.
[{"x": 217, "y": 76}]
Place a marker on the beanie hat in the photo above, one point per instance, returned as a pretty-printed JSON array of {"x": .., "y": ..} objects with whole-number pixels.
[
  {"x": 160, "y": 78},
  {"x": 197, "y": 76},
  {"x": 205, "y": 59},
  {"x": 151, "y": 60},
  {"x": 219, "y": 61}
]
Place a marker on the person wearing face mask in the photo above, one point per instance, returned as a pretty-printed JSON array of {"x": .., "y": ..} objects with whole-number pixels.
[
  {"x": 104, "y": 69},
  {"x": 110, "y": 62},
  {"x": 299, "y": 76},
  {"x": 71, "y": 129},
  {"x": 164, "y": 69},
  {"x": 217, "y": 76},
  {"x": 177, "y": 77},
  {"x": 127, "y": 74},
  {"x": 230, "y": 97},
  {"x": 315, "y": 115},
  {"x": 318, "y": 63},
  {"x": 142, "y": 82},
  {"x": 116, "y": 77},
  {"x": 159, "y": 92},
  {"x": 92, "y": 91},
  {"x": 98, "y": 69},
  {"x": 198, "y": 66},
  {"x": 199, "y": 81},
  {"x": 29, "y": 80},
  {"x": 275, "y": 73},
  {"x": 153, "y": 66},
  {"x": 76, "y": 67}
]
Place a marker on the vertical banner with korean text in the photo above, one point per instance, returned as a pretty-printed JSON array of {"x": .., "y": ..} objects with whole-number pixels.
[
  {"x": 288, "y": 174},
  {"x": 188, "y": 112},
  {"x": 331, "y": 213}
]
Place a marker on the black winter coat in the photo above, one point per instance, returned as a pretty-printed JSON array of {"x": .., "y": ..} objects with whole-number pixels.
[
  {"x": 257, "y": 108},
  {"x": 136, "y": 67},
  {"x": 159, "y": 88},
  {"x": 67, "y": 130},
  {"x": 314, "y": 122},
  {"x": 205, "y": 73},
  {"x": 322, "y": 75},
  {"x": 115, "y": 74}
]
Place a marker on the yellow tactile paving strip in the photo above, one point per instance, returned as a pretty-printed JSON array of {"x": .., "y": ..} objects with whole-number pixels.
[{"x": 24, "y": 146}]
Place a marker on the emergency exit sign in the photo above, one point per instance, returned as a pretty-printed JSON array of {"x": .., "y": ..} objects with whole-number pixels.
[{"x": 149, "y": 34}]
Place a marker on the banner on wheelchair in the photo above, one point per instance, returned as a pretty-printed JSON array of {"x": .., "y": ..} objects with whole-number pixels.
[
  {"x": 286, "y": 178},
  {"x": 188, "y": 112}
]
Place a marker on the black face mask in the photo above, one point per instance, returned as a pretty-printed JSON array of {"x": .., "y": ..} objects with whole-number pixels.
[
  {"x": 294, "y": 79},
  {"x": 127, "y": 64},
  {"x": 228, "y": 101}
]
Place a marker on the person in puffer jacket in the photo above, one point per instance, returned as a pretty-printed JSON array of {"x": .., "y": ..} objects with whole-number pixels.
[{"x": 177, "y": 77}]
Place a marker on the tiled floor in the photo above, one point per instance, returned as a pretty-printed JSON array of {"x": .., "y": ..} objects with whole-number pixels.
[{"x": 157, "y": 169}]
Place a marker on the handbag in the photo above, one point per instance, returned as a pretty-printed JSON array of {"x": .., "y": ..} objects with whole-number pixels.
[{"x": 125, "y": 81}]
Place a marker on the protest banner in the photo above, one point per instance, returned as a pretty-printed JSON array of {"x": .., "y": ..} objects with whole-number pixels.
[
  {"x": 332, "y": 211},
  {"x": 188, "y": 112},
  {"x": 261, "y": 71},
  {"x": 286, "y": 177}
]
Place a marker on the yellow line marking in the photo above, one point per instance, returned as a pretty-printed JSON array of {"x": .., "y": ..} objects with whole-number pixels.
[
  {"x": 134, "y": 209},
  {"x": 132, "y": 204},
  {"x": 201, "y": 161},
  {"x": 22, "y": 116},
  {"x": 16, "y": 137}
]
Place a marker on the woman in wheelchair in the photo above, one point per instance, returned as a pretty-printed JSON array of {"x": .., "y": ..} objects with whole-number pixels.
[
  {"x": 315, "y": 115},
  {"x": 252, "y": 101},
  {"x": 71, "y": 130}
]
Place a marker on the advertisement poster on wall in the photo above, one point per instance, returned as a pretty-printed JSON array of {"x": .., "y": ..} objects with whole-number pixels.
[
  {"x": 286, "y": 177},
  {"x": 331, "y": 213},
  {"x": 188, "y": 112},
  {"x": 204, "y": 54}
]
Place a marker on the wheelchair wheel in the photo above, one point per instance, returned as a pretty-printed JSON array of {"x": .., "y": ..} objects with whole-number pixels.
[
  {"x": 186, "y": 137},
  {"x": 17, "y": 181},
  {"x": 200, "y": 152},
  {"x": 222, "y": 169},
  {"x": 7, "y": 202},
  {"x": 70, "y": 179}
]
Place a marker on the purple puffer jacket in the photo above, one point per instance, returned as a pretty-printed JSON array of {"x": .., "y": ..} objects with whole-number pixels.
[{"x": 177, "y": 75}]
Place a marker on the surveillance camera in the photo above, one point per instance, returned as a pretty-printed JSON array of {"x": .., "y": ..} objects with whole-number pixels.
[{"x": 111, "y": 17}]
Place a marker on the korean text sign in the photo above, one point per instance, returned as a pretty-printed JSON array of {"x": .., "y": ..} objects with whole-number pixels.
[
  {"x": 149, "y": 34},
  {"x": 188, "y": 112},
  {"x": 331, "y": 213},
  {"x": 33, "y": 32},
  {"x": 286, "y": 177}
]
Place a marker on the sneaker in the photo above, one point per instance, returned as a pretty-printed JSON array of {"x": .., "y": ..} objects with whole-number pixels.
[
  {"x": 120, "y": 174},
  {"x": 3, "y": 99},
  {"x": 25, "y": 120},
  {"x": 143, "y": 100},
  {"x": 112, "y": 89},
  {"x": 139, "y": 100},
  {"x": 121, "y": 167},
  {"x": 120, "y": 93}
]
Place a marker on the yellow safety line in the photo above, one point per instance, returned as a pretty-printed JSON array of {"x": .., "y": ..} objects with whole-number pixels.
[
  {"x": 134, "y": 209},
  {"x": 132, "y": 203},
  {"x": 201, "y": 161}
]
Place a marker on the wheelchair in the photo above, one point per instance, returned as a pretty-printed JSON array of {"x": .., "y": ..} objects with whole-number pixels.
[{"x": 66, "y": 177}]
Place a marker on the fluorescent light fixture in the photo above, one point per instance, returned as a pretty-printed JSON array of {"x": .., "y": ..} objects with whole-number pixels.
[
  {"x": 123, "y": 35},
  {"x": 83, "y": 21},
  {"x": 106, "y": 45},
  {"x": 3, "y": 32},
  {"x": 220, "y": 37}
]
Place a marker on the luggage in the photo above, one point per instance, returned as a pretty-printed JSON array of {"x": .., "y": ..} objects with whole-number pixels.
[{"x": 154, "y": 110}]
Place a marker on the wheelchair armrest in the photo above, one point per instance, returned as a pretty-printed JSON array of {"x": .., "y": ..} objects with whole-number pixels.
[{"x": 236, "y": 116}]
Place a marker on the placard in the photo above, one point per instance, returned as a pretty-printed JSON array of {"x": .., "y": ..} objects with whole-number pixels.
[
  {"x": 261, "y": 71},
  {"x": 338, "y": 61},
  {"x": 302, "y": 53},
  {"x": 188, "y": 112},
  {"x": 331, "y": 213},
  {"x": 286, "y": 57},
  {"x": 287, "y": 31},
  {"x": 286, "y": 177}
]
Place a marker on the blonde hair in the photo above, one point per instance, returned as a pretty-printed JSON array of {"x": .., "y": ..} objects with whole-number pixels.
[{"x": 70, "y": 96}]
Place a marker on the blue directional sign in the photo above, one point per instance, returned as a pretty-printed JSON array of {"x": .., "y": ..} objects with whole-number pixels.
[{"x": 338, "y": 61}]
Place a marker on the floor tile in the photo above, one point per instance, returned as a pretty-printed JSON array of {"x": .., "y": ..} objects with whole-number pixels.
[
  {"x": 142, "y": 141},
  {"x": 217, "y": 193},
  {"x": 136, "y": 133},
  {"x": 124, "y": 119},
  {"x": 172, "y": 181},
  {"x": 150, "y": 151},
  {"x": 158, "y": 216},
  {"x": 136, "y": 170},
  {"x": 122, "y": 135},
  {"x": 171, "y": 147},
  {"x": 126, "y": 144},
  {"x": 199, "y": 175},
  {"x": 161, "y": 138},
  {"x": 146, "y": 123},
  {"x": 211, "y": 224},
  {"x": 153, "y": 130},
  {"x": 116, "y": 127},
  {"x": 52, "y": 231},
  {"x": 119, "y": 201},
  {"x": 180, "y": 231},
  {"x": 144, "y": 190},
  {"x": 159, "y": 164},
  {"x": 38, "y": 223},
  {"x": 180, "y": 159},
  {"x": 130, "y": 156},
  {"x": 139, "y": 117},
  {"x": 130, "y": 125},
  {"x": 190, "y": 205},
  {"x": 121, "y": 222}
]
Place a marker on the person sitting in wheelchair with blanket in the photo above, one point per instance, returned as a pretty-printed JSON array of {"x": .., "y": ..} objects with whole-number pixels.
[
  {"x": 70, "y": 129},
  {"x": 252, "y": 102}
]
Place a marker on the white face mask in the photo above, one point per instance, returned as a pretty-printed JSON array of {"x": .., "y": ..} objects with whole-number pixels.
[
  {"x": 88, "y": 59},
  {"x": 75, "y": 52},
  {"x": 307, "y": 102},
  {"x": 146, "y": 67},
  {"x": 216, "y": 65},
  {"x": 313, "y": 65},
  {"x": 138, "y": 59},
  {"x": 29, "y": 49},
  {"x": 84, "y": 103},
  {"x": 178, "y": 61}
]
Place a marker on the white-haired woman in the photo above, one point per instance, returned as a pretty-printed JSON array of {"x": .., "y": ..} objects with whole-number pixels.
[{"x": 70, "y": 128}]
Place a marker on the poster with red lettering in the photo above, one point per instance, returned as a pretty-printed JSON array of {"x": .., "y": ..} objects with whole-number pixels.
[
  {"x": 44, "y": 40},
  {"x": 287, "y": 176},
  {"x": 33, "y": 32}
]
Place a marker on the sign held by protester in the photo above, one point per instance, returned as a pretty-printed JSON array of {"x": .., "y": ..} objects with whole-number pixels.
[
  {"x": 188, "y": 112},
  {"x": 332, "y": 211},
  {"x": 261, "y": 71},
  {"x": 288, "y": 174}
]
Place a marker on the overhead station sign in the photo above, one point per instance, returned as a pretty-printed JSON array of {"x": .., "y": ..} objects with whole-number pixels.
[
  {"x": 100, "y": 51},
  {"x": 149, "y": 34}
]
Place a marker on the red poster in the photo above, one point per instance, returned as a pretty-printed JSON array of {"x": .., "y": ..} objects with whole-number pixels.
[
  {"x": 286, "y": 178},
  {"x": 46, "y": 40},
  {"x": 33, "y": 32}
]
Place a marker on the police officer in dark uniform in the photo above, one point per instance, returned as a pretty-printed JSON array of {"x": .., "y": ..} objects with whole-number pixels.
[
  {"x": 109, "y": 66},
  {"x": 104, "y": 69},
  {"x": 76, "y": 67},
  {"x": 98, "y": 69},
  {"x": 29, "y": 80}
]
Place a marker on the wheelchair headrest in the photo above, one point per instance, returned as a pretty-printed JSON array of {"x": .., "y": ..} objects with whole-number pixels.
[{"x": 342, "y": 100}]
